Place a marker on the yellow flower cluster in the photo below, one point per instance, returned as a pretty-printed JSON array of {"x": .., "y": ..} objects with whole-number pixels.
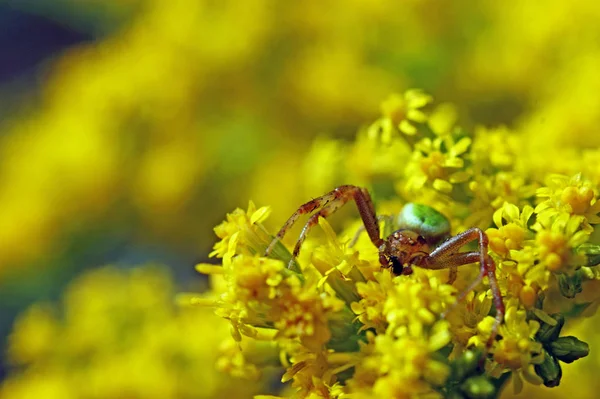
[
  {"x": 118, "y": 334},
  {"x": 312, "y": 316},
  {"x": 130, "y": 117},
  {"x": 345, "y": 328}
]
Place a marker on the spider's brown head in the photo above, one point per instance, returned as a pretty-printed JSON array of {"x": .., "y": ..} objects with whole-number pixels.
[{"x": 401, "y": 250}]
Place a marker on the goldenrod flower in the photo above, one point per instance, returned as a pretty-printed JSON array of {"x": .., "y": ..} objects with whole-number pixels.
[
  {"x": 115, "y": 332},
  {"x": 400, "y": 113},
  {"x": 556, "y": 242},
  {"x": 465, "y": 318},
  {"x": 439, "y": 163},
  {"x": 512, "y": 229},
  {"x": 370, "y": 308},
  {"x": 344, "y": 327},
  {"x": 495, "y": 149},
  {"x": 513, "y": 242},
  {"x": 414, "y": 304},
  {"x": 262, "y": 292},
  {"x": 340, "y": 326},
  {"x": 244, "y": 223},
  {"x": 526, "y": 277},
  {"x": 399, "y": 368},
  {"x": 518, "y": 349},
  {"x": 572, "y": 196}
]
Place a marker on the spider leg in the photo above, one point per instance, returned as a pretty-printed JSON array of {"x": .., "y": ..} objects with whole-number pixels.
[
  {"x": 312, "y": 221},
  {"x": 452, "y": 274},
  {"x": 452, "y": 262},
  {"x": 329, "y": 203},
  {"x": 381, "y": 218},
  {"x": 447, "y": 256},
  {"x": 354, "y": 239}
]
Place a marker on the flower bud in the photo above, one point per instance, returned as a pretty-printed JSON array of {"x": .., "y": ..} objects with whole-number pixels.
[
  {"x": 570, "y": 285},
  {"x": 478, "y": 387},
  {"x": 549, "y": 333},
  {"x": 568, "y": 349},
  {"x": 466, "y": 364},
  {"x": 591, "y": 252},
  {"x": 549, "y": 370}
]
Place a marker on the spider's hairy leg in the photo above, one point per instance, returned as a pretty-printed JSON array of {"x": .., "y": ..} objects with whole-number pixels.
[
  {"x": 329, "y": 203},
  {"x": 447, "y": 256},
  {"x": 452, "y": 261},
  {"x": 312, "y": 221},
  {"x": 452, "y": 274},
  {"x": 381, "y": 218}
]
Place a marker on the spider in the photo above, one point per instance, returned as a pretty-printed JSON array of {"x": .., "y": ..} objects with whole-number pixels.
[{"x": 422, "y": 240}]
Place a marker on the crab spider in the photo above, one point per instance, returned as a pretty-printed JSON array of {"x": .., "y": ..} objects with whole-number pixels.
[{"x": 422, "y": 239}]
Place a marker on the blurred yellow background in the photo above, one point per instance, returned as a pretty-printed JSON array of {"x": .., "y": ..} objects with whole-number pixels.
[{"x": 129, "y": 140}]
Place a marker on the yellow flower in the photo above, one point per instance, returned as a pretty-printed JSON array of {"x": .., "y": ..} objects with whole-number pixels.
[
  {"x": 495, "y": 149},
  {"x": 35, "y": 331},
  {"x": 119, "y": 331},
  {"x": 491, "y": 191},
  {"x": 465, "y": 318},
  {"x": 252, "y": 285},
  {"x": 514, "y": 243},
  {"x": 415, "y": 303},
  {"x": 249, "y": 358},
  {"x": 262, "y": 292},
  {"x": 255, "y": 279},
  {"x": 512, "y": 229},
  {"x": 254, "y": 239},
  {"x": 369, "y": 309},
  {"x": 233, "y": 361},
  {"x": 341, "y": 267},
  {"x": 438, "y": 162},
  {"x": 304, "y": 313},
  {"x": 401, "y": 112},
  {"x": 573, "y": 196},
  {"x": 346, "y": 328},
  {"x": 370, "y": 158},
  {"x": 405, "y": 305},
  {"x": 556, "y": 242},
  {"x": 311, "y": 375},
  {"x": 399, "y": 367},
  {"x": 518, "y": 350},
  {"x": 525, "y": 277}
]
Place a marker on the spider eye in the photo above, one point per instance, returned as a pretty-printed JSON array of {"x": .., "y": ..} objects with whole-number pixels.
[{"x": 396, "y": 265}]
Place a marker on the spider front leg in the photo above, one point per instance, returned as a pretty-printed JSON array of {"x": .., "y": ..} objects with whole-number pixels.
[
  {"x": 329, "y": 203},
  {"x": 447, "y": 256},
  {"x": 387, "y": 219}
]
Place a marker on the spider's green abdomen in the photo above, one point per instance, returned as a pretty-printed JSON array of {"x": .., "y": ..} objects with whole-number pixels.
[{"x": 424, "y": 220}]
